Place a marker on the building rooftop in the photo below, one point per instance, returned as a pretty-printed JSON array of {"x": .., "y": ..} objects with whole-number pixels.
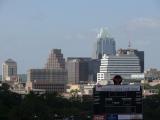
[
  {"x": 9, "y": 61},
  {"x": 103, "y": 33}
]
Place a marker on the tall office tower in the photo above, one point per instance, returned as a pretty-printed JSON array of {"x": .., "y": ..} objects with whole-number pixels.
[
  {"x": 55, "y": 60},
  {"x": 52, "y": 78},
  {"x": 139, "y": 54},
  {"x": 104, "y": 45},
  {"x": 9, "y": 70},
  {"x": 93, "y": 69},
  {"x": 78, "y": 69},
  {"x": 125, "y": 65},
  {"x": 73, "y": 71}
]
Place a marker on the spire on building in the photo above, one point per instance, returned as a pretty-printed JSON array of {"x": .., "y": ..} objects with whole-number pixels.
[
  {"x": 129, "y": 44},
  {"x": 105, "y": 44},
  {"x": 103, "y": 33}
]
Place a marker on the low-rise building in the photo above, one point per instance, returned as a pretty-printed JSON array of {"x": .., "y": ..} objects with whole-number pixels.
[
  {"x": 152, "y": 74},
  {"x": 51, "y": 80}
]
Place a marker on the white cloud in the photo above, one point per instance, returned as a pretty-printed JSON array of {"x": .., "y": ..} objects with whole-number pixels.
[{"x": 141, "y": 23}]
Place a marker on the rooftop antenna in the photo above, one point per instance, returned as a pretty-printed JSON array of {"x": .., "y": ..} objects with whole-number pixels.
[{"x": 129, "y": 44}]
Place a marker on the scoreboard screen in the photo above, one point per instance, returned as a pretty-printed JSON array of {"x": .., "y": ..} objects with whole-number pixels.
[{"x": 117, "y": 99}]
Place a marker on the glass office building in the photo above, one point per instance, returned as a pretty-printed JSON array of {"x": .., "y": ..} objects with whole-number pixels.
[{"x": 104, "y": 45}]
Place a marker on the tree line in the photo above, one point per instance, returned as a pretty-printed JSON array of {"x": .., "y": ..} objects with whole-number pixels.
[
  {"x": 53, "y": 106},
  {"x": 49, "y": 106}
]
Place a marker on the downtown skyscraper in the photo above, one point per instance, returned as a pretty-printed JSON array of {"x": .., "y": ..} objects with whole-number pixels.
[
  {"x": 55, "y": 60},
  {"x": 104, "y": 45},
  {"x": 78, "y": 69},
  {"x": 139, "y": 54},
  {"x": 125, "y": 65},
  {"x": 52, "y": 78},
  {"x": 9, "y": 70}
]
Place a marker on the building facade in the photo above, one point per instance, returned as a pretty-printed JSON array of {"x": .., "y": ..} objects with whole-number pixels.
[
  {"x": 104, "y": 45},
  {"x": 50, "y": 80},
  {"x": 9, "y": 70},
  {"x": 82, "y": 69},
  {"x": 125, "y": 65},
  {"x": 55, "y": 60},
  {"x": 152, "y": 74},
  {"x": 93, "y": 69},
  {"x": 78, "y": 69},
  {"x": 139, "y": 54}
]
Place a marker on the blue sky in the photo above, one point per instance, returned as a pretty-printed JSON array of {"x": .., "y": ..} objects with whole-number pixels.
[{"x": 29, "y": 29}]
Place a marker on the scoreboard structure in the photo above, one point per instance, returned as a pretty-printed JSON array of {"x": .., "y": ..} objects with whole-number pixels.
[{"x": 117, "y": 102}]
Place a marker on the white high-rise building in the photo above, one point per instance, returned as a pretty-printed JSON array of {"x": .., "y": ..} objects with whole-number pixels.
[
  {"x": 9, "y": 70},
  {"x": 125, "y": 65}
]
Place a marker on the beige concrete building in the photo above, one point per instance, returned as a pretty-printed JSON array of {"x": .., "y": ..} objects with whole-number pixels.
[
  {"x": 9, "y": 70},
  {"x": 78, "y": 69},
  {"x": 51, "y": 79},
  {"x": 55, "y": 60}
]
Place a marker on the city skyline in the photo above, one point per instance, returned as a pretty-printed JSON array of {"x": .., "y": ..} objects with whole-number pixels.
[{"x": 30, "y": 29}]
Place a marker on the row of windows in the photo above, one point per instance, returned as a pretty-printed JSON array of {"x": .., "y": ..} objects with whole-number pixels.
[
  {"x": 121, "y": 69},
  {"x": 54, "y": 85},
  {"x": 53, "y": 90},
  {"x": 120, "y": 58},
  {"x": 121, "y": 62},
  {"x": 120, "y": 65},
  {"x": 117, "y": 68},
  {"x": 47, "y": 77},
  {"x": 123, "y": 72}
]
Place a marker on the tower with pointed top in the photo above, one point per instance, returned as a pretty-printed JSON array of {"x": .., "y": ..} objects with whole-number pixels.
[{"x": 105, "y": 44}]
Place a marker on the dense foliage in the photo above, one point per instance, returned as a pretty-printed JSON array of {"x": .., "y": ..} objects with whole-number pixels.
[
  {"x": 54, "y": 106},
  {"x": 151, "y": 107},
  {"x": 41, "y": 107}
]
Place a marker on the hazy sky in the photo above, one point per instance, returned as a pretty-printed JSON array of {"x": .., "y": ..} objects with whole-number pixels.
[{"x": 29, "y": 29}]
